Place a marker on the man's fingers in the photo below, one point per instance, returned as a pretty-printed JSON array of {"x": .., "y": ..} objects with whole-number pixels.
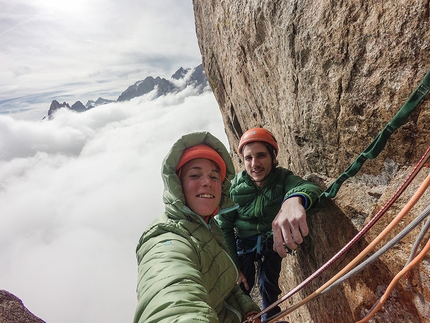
[
  {"x": 278, "y": 240},
  {"x": 303, "y": 224},
  {"x": 291, "y": 245},
  {"x": 278, "y": 246},
  {"x": 289, "y": 226},
  {"x": 245, "y": 284},
  {"x": 280, "y": 249},
  {"x": 282, "y": 238},
  {"x": 297, "y": 236},
  {"x": 242, "y": 280},
  {"x": 299, "y": 229}
]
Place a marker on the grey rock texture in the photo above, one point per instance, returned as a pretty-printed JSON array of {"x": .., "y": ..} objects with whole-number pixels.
[
  {"x": 12, "y": 310},
  {"x": 78, "y": 107},
  {"x": 100, "y": 101},
  {"x": 193, "y": 77},
  {"x": 147, "y": 85},
  {"x": 325, "y": 77},
  {"x": 55, "y": 105}
]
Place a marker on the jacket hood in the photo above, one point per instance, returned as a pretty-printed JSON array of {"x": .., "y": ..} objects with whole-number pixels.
[{"x": 173, "y": 196}]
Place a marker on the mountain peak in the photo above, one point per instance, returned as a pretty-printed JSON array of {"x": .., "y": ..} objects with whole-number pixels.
[
  {"x": 180, "y": 73},
  {"x": 190, "y": 77},
  {"x": 182, "y": 78}
]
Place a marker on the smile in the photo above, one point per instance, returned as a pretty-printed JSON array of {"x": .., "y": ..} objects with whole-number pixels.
[{"x": 206, "y": 196}]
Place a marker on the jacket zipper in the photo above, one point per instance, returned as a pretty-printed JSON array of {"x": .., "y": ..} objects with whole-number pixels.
[
  {"x": 234, "y": 311},
  {"x": 229, "y": 307},
  {"x": 257, "y": 209}
]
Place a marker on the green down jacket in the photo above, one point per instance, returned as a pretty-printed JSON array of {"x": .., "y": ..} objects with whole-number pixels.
[
  {"x": 258, "y": 206},
  {"x": 185, "y": 273}
]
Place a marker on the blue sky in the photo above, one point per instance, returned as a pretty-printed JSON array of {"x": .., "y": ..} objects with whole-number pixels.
[{"x": 83, "y": 49}]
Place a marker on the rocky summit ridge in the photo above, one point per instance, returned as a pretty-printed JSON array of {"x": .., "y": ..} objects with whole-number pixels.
[{"x": 182, "y": 78}]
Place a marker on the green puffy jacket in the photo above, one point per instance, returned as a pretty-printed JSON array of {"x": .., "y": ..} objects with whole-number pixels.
[
  {"x": 185, "y": 271},
  {"x": 258, "y": 206}
]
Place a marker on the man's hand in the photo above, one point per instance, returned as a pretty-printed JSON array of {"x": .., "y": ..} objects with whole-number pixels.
[
  {"x": 290, "y": 226},
  {"x": 242, "y": 279}
]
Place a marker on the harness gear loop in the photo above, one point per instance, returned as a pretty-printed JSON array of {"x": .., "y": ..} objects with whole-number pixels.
[{"x": 257, "y": 247}]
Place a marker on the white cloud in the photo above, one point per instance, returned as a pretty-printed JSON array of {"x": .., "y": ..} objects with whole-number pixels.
[
  {"x": 76, "y": 194},
  {"x": 81, "y": 50}
]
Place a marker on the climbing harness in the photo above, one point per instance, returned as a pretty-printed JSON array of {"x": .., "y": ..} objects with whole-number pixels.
[
  {"x": 371, "y": 152},
  {"x": 257, "y": 247}
]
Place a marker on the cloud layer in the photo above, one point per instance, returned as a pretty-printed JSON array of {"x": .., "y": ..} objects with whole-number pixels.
[{"x": 76, "y": 194}]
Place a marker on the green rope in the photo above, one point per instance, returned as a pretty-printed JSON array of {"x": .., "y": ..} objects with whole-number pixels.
[{"x": 379, "y": 142}]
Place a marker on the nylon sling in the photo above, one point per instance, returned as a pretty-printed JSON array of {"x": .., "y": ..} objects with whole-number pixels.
[{"x": 373, "y": 150}]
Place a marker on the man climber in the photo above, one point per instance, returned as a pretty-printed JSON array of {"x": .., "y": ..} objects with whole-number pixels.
[{"x": 271, "y": 217}]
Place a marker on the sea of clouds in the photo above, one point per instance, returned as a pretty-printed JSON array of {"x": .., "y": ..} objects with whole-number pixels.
[{"x": 76, "y": 193}]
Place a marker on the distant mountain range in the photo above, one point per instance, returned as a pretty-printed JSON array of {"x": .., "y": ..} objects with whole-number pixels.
[{"x": 181, "y": 79}]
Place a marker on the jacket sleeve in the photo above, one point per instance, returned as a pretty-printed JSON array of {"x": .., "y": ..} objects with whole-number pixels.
[
  {"x": 170, "y": 287},
  {"x": 297, "y": 186},
  {"x": 245, "y": 302},
  {"x": 227, "y": 223}
]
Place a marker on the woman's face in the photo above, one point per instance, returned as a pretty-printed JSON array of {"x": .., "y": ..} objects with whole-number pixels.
[{"x": 201, "y": 183}]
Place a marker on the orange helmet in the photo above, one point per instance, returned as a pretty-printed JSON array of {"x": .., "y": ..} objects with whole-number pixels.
[{"x": 258, "y": 134}]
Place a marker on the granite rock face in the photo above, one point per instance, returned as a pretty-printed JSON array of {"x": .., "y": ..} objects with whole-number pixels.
[
  {"x": 12, "y": 310},
  {"x": 325, "y": 77}
]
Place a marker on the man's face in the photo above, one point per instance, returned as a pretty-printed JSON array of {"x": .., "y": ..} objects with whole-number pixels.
[{"x": 258, "y": 162}]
